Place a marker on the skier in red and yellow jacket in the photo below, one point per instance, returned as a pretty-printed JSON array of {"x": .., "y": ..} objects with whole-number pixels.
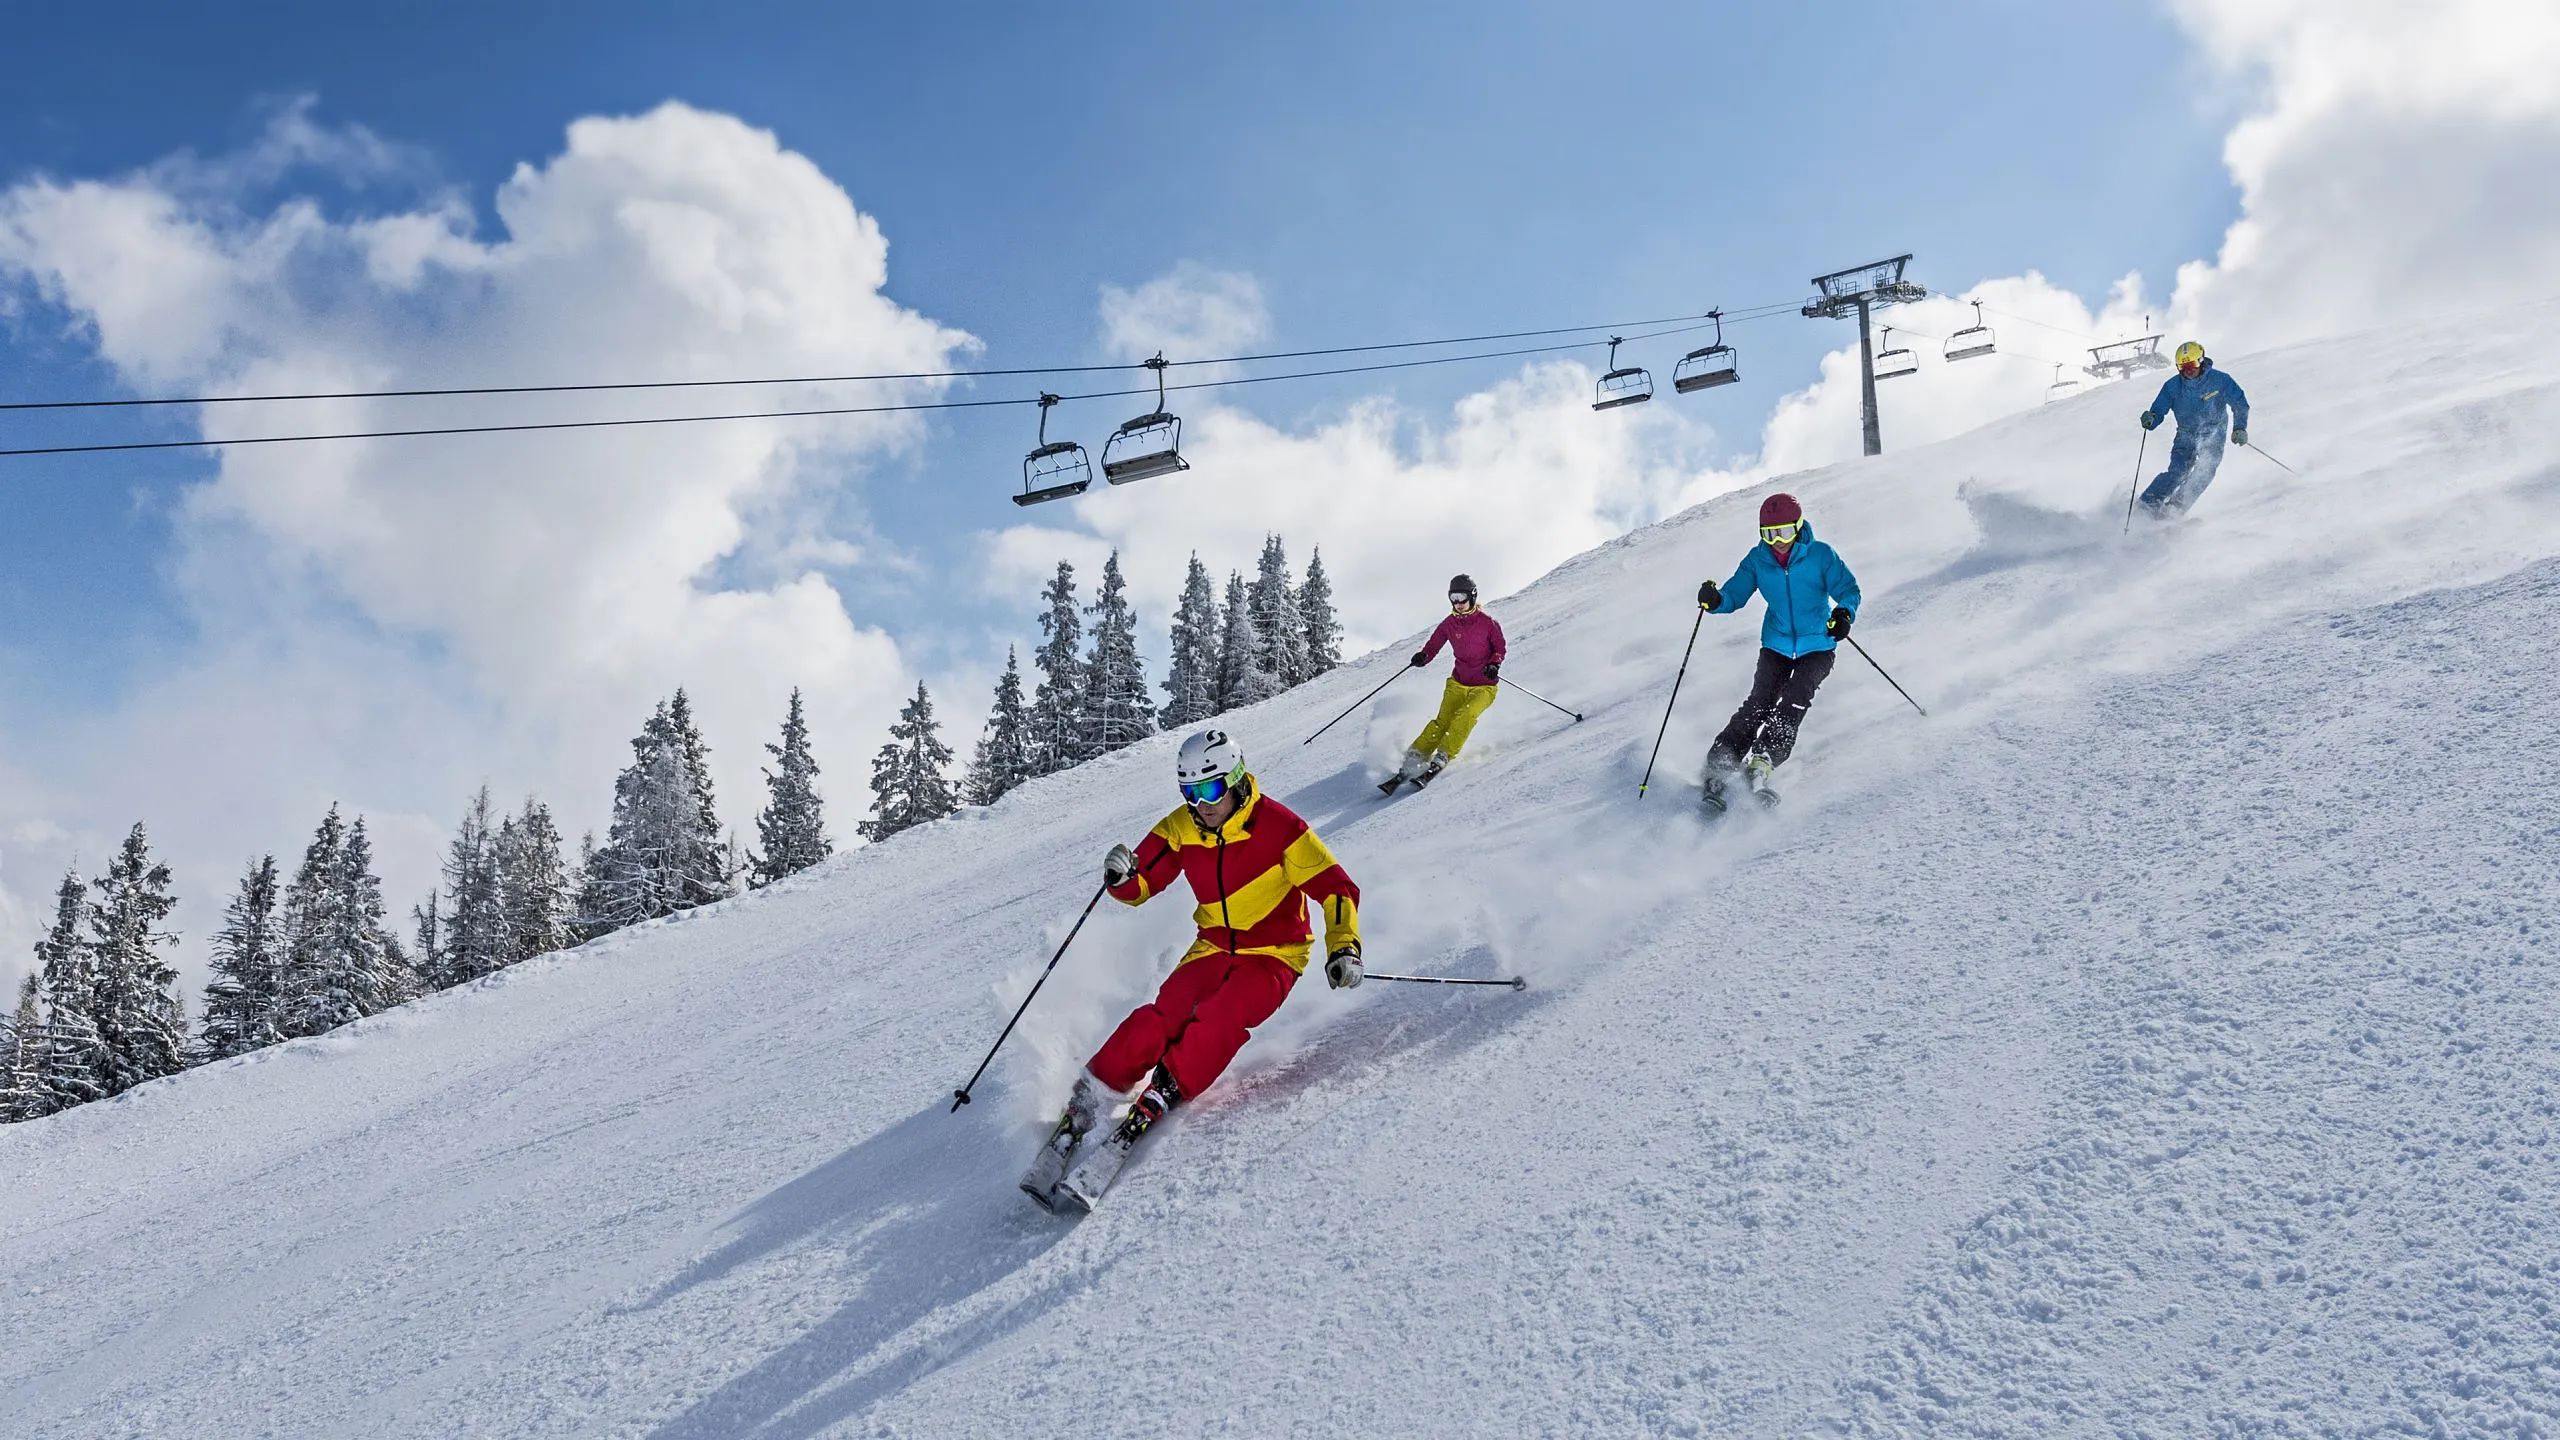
[{"x": 1253, "y": 867}]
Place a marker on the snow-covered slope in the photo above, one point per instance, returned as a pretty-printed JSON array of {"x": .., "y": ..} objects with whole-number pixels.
[{"x": 2156, "y": 1040}]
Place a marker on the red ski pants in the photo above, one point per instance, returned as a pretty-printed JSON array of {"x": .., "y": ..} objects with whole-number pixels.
[{"x": 1198, "y": 1022}]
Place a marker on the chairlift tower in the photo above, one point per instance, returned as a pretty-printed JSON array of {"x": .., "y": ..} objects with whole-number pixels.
[{"x": 1861, "y": 289}]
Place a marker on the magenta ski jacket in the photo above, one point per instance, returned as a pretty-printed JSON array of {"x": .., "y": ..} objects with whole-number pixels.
[{"x": 1474, "y": 641}]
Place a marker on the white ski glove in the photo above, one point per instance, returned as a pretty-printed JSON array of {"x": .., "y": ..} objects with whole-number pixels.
[
  {"x": 1118, "y": 866},
  {"x": 1342, "y": 972}
]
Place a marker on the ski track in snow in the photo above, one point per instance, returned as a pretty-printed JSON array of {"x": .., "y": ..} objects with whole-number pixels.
[{"x": 2155, "y": 1041}]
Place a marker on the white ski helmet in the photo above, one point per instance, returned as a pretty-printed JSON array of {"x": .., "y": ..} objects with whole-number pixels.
[{"x": 1208, "y": 755}]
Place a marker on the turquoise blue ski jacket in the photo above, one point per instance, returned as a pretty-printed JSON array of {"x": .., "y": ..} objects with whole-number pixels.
[{"x": 1800, "y": 593}]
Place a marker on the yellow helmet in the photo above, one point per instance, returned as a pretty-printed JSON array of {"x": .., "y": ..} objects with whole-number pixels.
[{"x": 2191, "y": 353}]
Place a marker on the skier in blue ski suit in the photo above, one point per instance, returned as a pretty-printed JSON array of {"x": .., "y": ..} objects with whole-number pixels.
[
  {"x": 1812, "y": 600},
  {"x": 2210, "y": 408}
]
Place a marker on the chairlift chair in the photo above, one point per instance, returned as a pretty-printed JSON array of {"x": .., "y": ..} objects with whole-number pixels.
[
  {"x": 2062, "y": 385},
  {"x": 1057, "y": 469},
  {"x": 1892, "y": 363},
  {"x": 1973, "y": 340},
  {"x": 1709, "y": 365},
  {"x": 1149, "y": 445},
  {"x": 1628, "y": 386}
]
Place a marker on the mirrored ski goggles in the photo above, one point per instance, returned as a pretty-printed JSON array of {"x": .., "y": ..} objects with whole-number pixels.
[
  {"x": 1209, "y": 791},
  {"x": 1461, "y": 602},
  {"x": 1781, "y": 534}
]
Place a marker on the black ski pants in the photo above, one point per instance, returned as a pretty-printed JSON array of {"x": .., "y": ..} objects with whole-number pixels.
[{"x": 1781, "y": 691}]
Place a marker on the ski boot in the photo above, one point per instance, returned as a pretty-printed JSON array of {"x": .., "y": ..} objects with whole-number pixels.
[
  {"x": 1723, "y": 770},
  {"x": 1755, "y": 774},
  {"x": 1431, "y": 769},
  {"x": 1086, "y": 1108},
  {"x": 1409, "y": 773},
  {"x": 1097, "y": 1167}
]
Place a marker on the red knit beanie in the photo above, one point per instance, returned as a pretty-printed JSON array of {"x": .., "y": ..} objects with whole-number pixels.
[{"x": 1780, "y": 509}]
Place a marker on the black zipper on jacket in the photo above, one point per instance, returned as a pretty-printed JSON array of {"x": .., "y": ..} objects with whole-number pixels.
[{"x": 1229, "y": 921}]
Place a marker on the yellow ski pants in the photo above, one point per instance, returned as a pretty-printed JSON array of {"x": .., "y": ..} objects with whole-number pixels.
[{"x": 1460, "y": 707}]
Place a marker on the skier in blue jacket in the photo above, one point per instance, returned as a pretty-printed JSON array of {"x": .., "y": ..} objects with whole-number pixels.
[
  {"x": 2209, "y": 406},
  {"x": 1812, "y": 598}
]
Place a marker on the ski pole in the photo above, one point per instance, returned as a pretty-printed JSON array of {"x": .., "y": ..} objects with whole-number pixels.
[
  {"x": 2138, "y": 452},
  {"x": 2270, "y": 459},
  {"x": 1675, "y": 699},
  {"x": 1515, "y": 982},
  {"x": 1356, "y": 704},
  {"x": 1541, "y": 699},
  {"x": 960, "y": 1096},
  {"x": 1888, "y": 679}
]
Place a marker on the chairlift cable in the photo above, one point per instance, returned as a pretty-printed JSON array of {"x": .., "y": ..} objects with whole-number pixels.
[
  {"x": 597, "y": 386},
  {"x": 838, "y": 410}
]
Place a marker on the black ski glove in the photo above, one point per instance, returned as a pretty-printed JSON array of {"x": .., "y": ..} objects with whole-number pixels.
[
  {"x": 2150, "y": 419},
  {"x": 1709, "y": 597},
  {"x": 1421, "y": 658},
  {"x": 1492, "y": 672},
  {"x": 1838, "y": 629}
]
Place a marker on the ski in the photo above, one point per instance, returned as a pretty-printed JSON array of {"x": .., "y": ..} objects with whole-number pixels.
[
  {"x": 1096, "y": 1166},
  {"x": 1429, "y": 774},
  {"x": 1388, "y": 785},
  {"x": 1040, "y": 1182}
]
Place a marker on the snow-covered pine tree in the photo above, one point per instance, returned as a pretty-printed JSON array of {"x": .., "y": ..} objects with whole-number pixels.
[
  {"x": 664, "y": 851},
  {"x": 792, "y": 828},
  {"x": 533, "y": 884},
  {"x": 138, "y": 1014},
  {"x": 428, "y": 938},
  {"x": 311, "y": 902},
  {"x": 75, "y": 1054},
  {"x": 1241, "y": 679},
  {"x": 1315, "y": 608},
  {"x": 1003, "y": 759},
  {"x": 244, "y": 1001},
  {"x": 22, "y": 1089},
  {"x": 697, "y": 780},
  {"x": 908, "y": 782},
  {"x": 369, "y": 960},
  {"x": 1279, "y": 627},
  {"x": 592, "y": 903},
  {"x": 1191, "y": 677},
  {"x": 1118, "y": 709},
  {"x": 1057, "y": 706},
  {"x": 475, "y": 937}
]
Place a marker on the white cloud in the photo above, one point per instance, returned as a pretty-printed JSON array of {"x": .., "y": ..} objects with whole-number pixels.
[
  {"x": 1196, "y": 312},
  {"x": 388, "y": 622},
  {"x": 2399, "y": 162}
]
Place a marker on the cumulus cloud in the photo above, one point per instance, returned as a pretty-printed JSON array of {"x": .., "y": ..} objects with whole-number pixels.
[
  {"x": 385, "y": 622},
  {"x": 1195, "y": 312},
  {"x": 2397, "y": 161}
]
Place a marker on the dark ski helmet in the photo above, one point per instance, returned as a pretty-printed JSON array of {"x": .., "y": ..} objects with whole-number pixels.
[
  {"x": 1461, "y": 585},
  {"x": 1780, "y": 509}
]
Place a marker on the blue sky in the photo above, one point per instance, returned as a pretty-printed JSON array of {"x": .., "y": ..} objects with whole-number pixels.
[{"x": 1384, "y": 171}]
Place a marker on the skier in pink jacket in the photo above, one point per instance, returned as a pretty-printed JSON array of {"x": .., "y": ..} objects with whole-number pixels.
[{"x": 1475, "y": 644}]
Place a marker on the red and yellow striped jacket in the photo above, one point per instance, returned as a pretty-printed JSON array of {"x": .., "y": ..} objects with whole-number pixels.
[{"x": 1253, "y": 877}]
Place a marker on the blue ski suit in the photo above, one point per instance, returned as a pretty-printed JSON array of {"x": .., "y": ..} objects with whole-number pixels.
[{"x": 2208, "y": 409}]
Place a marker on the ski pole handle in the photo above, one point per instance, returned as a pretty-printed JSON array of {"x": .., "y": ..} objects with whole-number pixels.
[
  {"x": 960, "y": 1096},
  {"x": 1356, "y": 704},
  {"x": 1541, "y": 699}
]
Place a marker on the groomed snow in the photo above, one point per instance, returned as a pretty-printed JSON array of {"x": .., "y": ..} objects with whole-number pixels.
[{"x": 2157, "y": 1040}]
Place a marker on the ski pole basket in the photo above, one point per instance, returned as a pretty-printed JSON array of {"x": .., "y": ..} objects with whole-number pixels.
[
  {"x": 1147, "y": 446},
  {"x": 1627, "y": 386},
  {"x": 1709, "y": 365},
  {"x": 1055, "y": 470}
]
